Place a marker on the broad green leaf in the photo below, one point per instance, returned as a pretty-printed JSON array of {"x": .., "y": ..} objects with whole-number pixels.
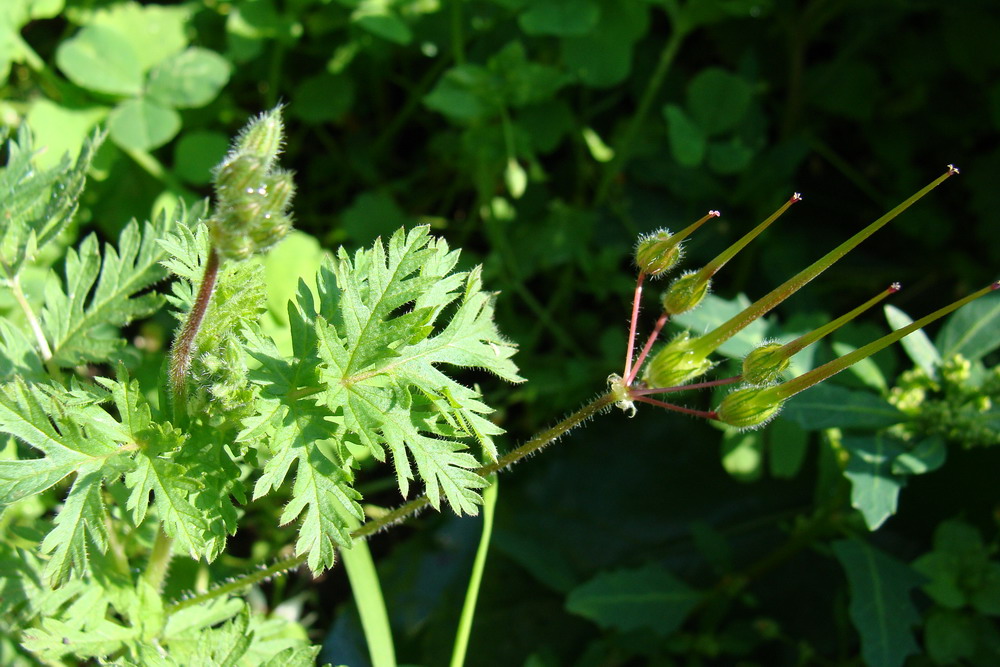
[
  {"x": 19, "y": 356},
  {"x": 189, "y": 79},
  {"x": 561, "y": 18},
  {"x": 41, "y": 203},
  {"x": 743, "y": 454},
  {"x": 603, "y": 57},
  {"x": 650, "y": 598},
  {"x": 730, "y": 156},
  {"x": 101, "y": 59},
  {"x": 322, "y": 98},
  {"x": 829, "y": 406},
  {"x": 142, "y": 124},
  {"x": 380, "y": 19},
  {"x": 524, "y": 82},
  {"x": 81, "y": 315},
  {"x": 717, "y": 100},
  {"x": 714, "y": 311},
  {"x": 786, "y": 448},
  {"x": 197, "y": 153},
  {"x": 61, "y": 130},
  {"x": 865, "y": 370},
  {"x": 926, "y": 456},
  {"x": 962, "y": 570},
  {"x": 687, "y": 142},
  {"x": 155, "y": 32},
  {"x": 917, "y": 345},
  {"x": 466, "y": 93},
  {"x": 874, "y": 487},
  {"x": 951, "y": 637},
  {"x": 881, "y": 608},
  {"x": 14, "y": 15},
  {"x": 972, "y": 330}
]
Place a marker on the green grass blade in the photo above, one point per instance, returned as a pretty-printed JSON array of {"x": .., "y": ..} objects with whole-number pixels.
[
  {"x": 371, "y": 606},
  {"x": 472, "y": 592}
]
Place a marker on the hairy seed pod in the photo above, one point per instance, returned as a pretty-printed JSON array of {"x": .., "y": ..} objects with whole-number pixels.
[
  {"x": 748, "y": 408},
  {"x": 675, "y": 364},
  {"x": 685, "y": 293},
  {"x": 656, "y": 254},
  {"x": 764, "y": 364}
]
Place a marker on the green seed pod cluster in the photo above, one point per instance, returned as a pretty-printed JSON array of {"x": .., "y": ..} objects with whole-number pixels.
[
  {"x": 657, "y": 253},
  {"x": 253, "y": 197},
  {"x": 764, "y": 364},
  {"x": 685, "y": 293},
  {"x": 676, "y": 363},
  {"x": 748, "y": 408}
]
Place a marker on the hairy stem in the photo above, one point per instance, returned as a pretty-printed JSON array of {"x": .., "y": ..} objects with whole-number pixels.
[
  {"x": 632, "y": 325},
  {"x": 180, "y": 354},
  {"x": 660, "y": 323},
  {"x": 407, "y": 510},
  {"x": 159, "y": 560}
]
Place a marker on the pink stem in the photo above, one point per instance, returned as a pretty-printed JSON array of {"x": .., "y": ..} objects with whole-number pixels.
[
  {"x": 685, "y": 387},
  {"x": 633, "y": 323},
  {"x": 678, "y": 408},
  {"x": 630, "y": 377}
]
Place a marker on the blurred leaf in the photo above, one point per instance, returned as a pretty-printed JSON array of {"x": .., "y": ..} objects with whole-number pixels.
[
  {"x": 515, "y": 178},
  {"x": 917, "y": 345},
  {"x": 829, "y": 406},
  {"x": 599, "y": 150},
  {"x": 874, "y": 488},
  {"x": 865, "y": 370},
  {"x": 973, "y": 330},
  {"x": 846, "y": 88},
  {"x": 728, "y": 157},
  {"x": 687, "y": 143},
  {"x": 960, "y": 569},
  {"x": 60, "y": 130},
  {"x": 950, "y": 637},
  {"x": 322, "y": 98},
  {"x": 155, "y": 32},
  {"x": 743, "y": 454},
  {"x": 717, "y": 100},
  {"x": 561, "y": 18},
  {"x": 881, "y": 608},
  {"x": 715, "y": 310},
  {"x": 695, "y": 13},
  {"x": 378, "y": 18},
  {"x": 197, "y": 153},
  {"x": 926, "y": 456},
  {"x": 465, "y": 93},
  {"x": 787, "y": 444},
  {"x": 142, "y": 125},
  {"x": 14, "y": 14},
  {"x": 603, "y": 58},
  {"x": 647, "y": 598},
  {"x": 370, "y": 215},
  {"x": 546, "y": 124},
  {"x": 189, "y": 79},
  {"x": 101, "y": 59},
  {"x": 524, "y": 82}
]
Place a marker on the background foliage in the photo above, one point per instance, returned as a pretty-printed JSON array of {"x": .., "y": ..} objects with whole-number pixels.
[{"x": 542, "y": 137}]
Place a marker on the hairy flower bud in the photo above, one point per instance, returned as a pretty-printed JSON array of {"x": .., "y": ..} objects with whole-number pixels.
[
  {"x": 253, "y": 197},
  {"x": 676, "y": 363},
  {"x": 750, "y": 407},
  {"x": 685, "y": 293},
  {"x": 660, "y": 251},
  {"x": 765, "y": 364}
]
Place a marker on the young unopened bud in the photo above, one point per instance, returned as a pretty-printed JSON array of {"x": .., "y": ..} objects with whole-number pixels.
[
  {"x": 688, "y": 291},
  {"x": 765, "y": 364},
  {"x": 660, "y": 251},
  {"x": 750, "y": 407},
  {"x": 263, "y": 137},
  {"x": 675, "y": 364},
  {"x": 253, "y": 197}
]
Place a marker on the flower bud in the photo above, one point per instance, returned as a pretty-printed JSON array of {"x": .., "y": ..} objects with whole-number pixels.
[
  {"x": 685, "y": 293},
  {"x": 675, "y": 363},
  {"x": 253, "y": 197},
  {"x": 750, "y": 407},
  {"x": 660, "y": 251},
  {"x": 765, "y": 364},
  {"x": 263, "y": 137}
]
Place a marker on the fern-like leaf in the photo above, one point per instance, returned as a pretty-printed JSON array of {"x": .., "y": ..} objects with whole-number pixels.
[
  {"x": 82, "y": 315},
  {"x": 36, "y": 205},
  {"x": 367, "y": 368}
]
